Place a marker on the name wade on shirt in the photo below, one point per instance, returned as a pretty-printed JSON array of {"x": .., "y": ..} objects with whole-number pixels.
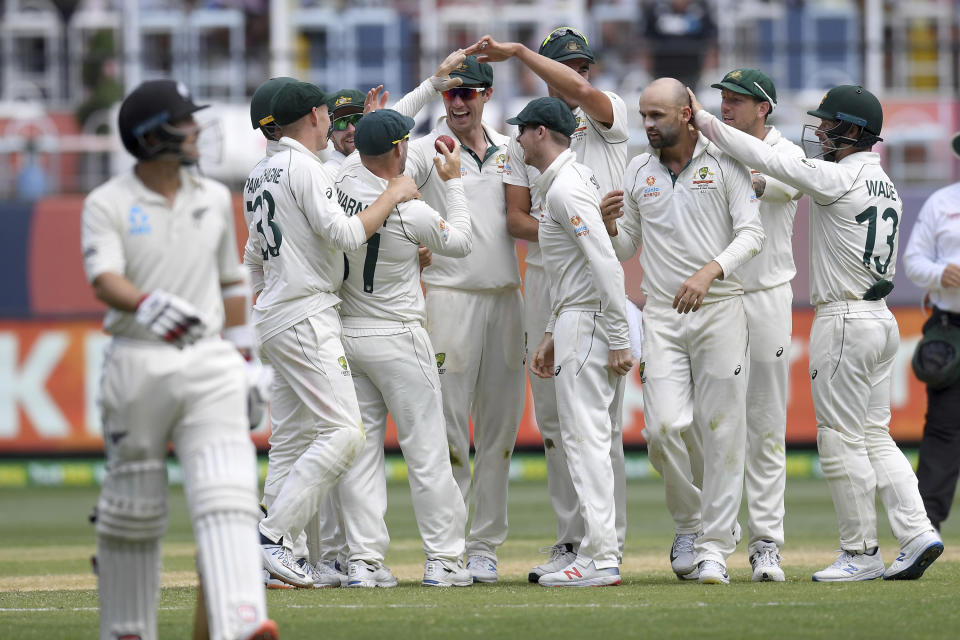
[{"x": 881, "y": 188}]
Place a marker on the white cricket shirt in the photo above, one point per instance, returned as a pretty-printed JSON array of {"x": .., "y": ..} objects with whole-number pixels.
[
  {"x": 854, "y": 211},
  {"x": 578, "y": 258},
  {"x": 383, "y": 276},
  {"x": 492, "y": 264},
  {"x": 603, "y": 150},
  {"x": 709, "y": 213},
  {"x": 774, "y": 265},
  {"x": 188, "y": 248},
  {"x": 300, "y": 232},
  {"x": 934, "y": 243}
]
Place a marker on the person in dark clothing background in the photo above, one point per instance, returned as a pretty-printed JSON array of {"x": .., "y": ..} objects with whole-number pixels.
[{"x": 679, "y": 33}]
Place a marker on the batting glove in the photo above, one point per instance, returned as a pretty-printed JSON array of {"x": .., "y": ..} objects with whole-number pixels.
[
  {"x": 171, "y": 318},
  {"x": 259, "y": 378}
]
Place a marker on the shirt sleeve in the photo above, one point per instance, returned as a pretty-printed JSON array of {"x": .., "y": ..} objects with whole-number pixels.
[
  {"x": 313, "y": 190},
  {"x": 101, "y": 239},
  {"x": 452, "y": 237},
  {"x": 920, "y": 259},
  {"x": 742, "y": 202},
  {"x": 618, "y": 131},
  {"x": 411, "y": 104},
  {"x": 627, "y": 240},
  {"x": 574, "y": 206},
  {"x": 515, "y": 166},
  {"x": 777, "y": 191},
  {"x": 227, "y": 259},
  {"x": 253, "y": 261},
  {"x": 823, "y": 180}
]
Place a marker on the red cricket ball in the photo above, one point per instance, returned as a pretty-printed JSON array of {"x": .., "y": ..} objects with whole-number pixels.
[{"x": 443, "y": 140}]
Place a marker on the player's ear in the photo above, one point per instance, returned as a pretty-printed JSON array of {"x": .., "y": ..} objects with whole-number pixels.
[{"x": 488, "y": 94}]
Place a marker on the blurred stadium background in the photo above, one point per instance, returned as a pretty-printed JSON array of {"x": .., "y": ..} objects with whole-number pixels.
[{"x": 65, "y": 64}]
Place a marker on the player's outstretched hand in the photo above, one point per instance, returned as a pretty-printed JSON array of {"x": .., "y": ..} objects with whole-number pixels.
[
  {"x": 259, "y": 378},
  {"x": 611, "y": 208},
  {"x": 489, "y": 50},
  {"x": 376, "y": 99},
  {"x": 542, "y": 361},
  {"x": 441, "y": 79},
  {"x": 694, "y": 289},
  {"x": 620, "y": 361},
  {"x": 402, "y": 188},
  {"x": 425, "y": 256},
  {"x": 695, "y": 105},
  {"x": 171, "y": 318},
  {"x": 450, "y": 167}
]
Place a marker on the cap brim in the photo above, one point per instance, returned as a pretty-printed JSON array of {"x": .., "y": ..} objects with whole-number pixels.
[
  {"x": 514, "y": 120},
  {"x": 823, "y": 115},
  {"x": 955, "y": 144},
  {"x": 729, "y": 86},
  {"x": 346, "y": 110},
  {"x": 573, "y": 55}
]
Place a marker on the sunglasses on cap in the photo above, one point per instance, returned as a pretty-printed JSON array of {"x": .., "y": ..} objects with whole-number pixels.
[
  {"x": 559, "y": 32},
  {"x": 464, "y": 93},
  {"x": 341, "y": 123},
  {"x": 406, "y": 137}
]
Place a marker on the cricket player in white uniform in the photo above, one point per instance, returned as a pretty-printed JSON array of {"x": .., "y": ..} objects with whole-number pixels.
[
  {"x": 600, "y": 142},
  {"x": 748, "y": 98},
  {"x": 854, "y": 215},
  {"x": 696, "y": 212},
  {"x": 159, "y": 250},
  {"x": 586, "y": 345},
  {"x": 392, "y": 359},
  {"x": 475, "y": 315},
  {"x": 294, "y": 253}
]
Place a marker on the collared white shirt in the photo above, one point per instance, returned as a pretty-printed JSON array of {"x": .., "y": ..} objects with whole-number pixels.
[{"x": 934, "y": 243}]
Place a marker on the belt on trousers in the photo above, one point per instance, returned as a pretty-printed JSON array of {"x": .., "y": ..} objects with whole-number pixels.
[{"x": 849, "y": 306}]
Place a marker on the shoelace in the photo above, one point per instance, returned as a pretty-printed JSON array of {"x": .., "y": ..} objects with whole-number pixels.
[
  {"x": 684, "y": 542},
  {"x": 286, "y": 559},
  {"x": 845, "y": 557},
  {"x": 555, "y": 551},
  {"x": 767, "y": 557}
]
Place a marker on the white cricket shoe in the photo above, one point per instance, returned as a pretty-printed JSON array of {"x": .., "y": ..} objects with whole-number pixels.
[
  {"x": 915, "y": 557},
  {"x": 482, "y": 568},
  {"x": 765, "y": 561},
  {"x": 574, "y": 575},
  {"x": 365, "y": 575},
  {"x": 444, "y": 573},
  {"x": 336, "y": 568},
  {"x": 561, "y": 555},
  {"x": 281, "y": 565},
  {"x": 713, "y": 572},
  {"x": 852, "y": 566},
  {"x": 323, "y": 576},
  {"x": 683, "y": 559}
]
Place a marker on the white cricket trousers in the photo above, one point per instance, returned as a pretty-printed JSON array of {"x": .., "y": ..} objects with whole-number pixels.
[
  {"x": 394, "y": 369},
  {"x": 770, "y": 323},
  {"x": 153, "y": 394},
  {"x": 853, "y": 346},
  {"x": 317, "y": 430},
  {"x": 694, "y": 384},
  {"x": 478, "y": 341},
  {"x": 586, "y": 400},
  {"x": 563, "y": 496}
]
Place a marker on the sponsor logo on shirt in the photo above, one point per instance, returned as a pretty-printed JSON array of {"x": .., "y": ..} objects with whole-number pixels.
[
  {"x": 139, "y": 222},
  {"x": 345, "y": 370},
  {"x": 651, "y": 192},
  {"x": 444, "y": 231},
  {"x": 808, "y": 163},
  {"x": 501, "y": 162},
  {"x": 578, "y": 226},
  {"x": 651, "y": 180}
]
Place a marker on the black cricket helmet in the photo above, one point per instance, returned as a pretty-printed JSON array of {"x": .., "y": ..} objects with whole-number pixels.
[{"x": 148, "y": 112}]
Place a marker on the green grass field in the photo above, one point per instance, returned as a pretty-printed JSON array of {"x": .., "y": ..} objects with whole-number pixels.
[{"x": 47, "y": 589}]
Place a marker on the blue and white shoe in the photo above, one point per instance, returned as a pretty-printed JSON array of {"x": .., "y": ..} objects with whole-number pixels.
[
  {"x": 482, "y": 568},
  {"x": 850, "y": 567},
  {"x": 915, "y": 557},
  {"x": 364, "y": 575},
  {"x": 445, "y": 573}
]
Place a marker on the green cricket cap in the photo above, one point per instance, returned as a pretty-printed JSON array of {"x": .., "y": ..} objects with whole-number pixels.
[
  {"x": 345, "y": 102},
  {"x": 473, "y": 73},
  {"x": 295, "y": 100},
  {"x": 851, "y": 103},
  {"x": 750, "y": 82},
  {"x": 379, "y": 131},
  {"x": 260, "y": 113},
  {"x": 566, "y": 43},
  {"x": 553, "y": 113}
]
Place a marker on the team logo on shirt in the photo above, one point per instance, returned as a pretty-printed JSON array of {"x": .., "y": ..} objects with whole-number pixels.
[
  {"x": 441, "y": 358},
  {"x": 343, "y": 365},
  {"x": 139, "y": 222},
  {"x": 706, "y": 179},
  {"x": 501, "y": 162},
  {"x": 444, "y": 231},
  {"x": 580, "y": 131},
  {"x": 578, "y": 226},
  {"x": 808, "y": 163},
  {"x": 197, "y": 216},
  {"x": 651, "y": 180}
]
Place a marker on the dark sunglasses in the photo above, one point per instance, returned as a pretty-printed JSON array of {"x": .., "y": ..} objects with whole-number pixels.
[
  {"x": 341, "y": 123},
  {"x": 523, "y": 127},
  {"x": 464, "y": 93}
]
